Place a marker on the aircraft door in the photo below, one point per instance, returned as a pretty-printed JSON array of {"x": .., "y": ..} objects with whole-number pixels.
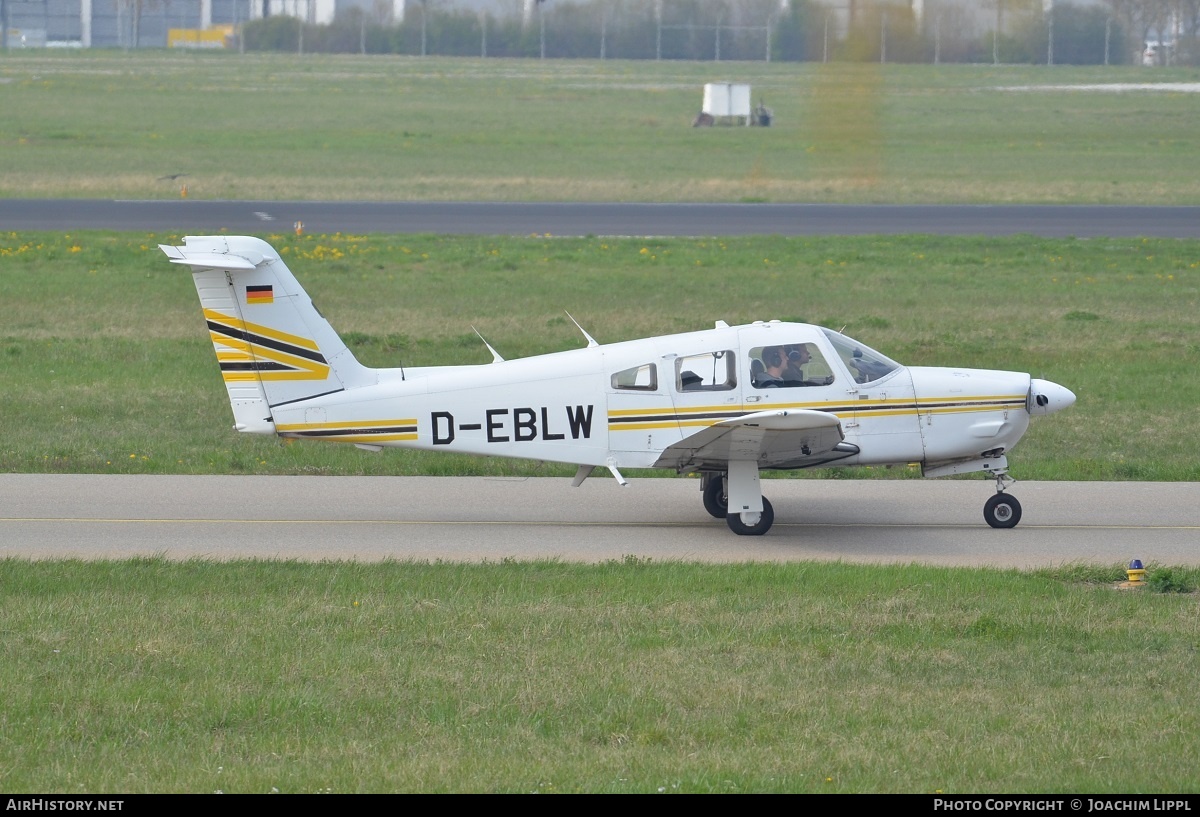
[
  {"x": 655, "y": 404},
  {"x": 706, "y": 388},
  {"x": 794, "y": 374}
]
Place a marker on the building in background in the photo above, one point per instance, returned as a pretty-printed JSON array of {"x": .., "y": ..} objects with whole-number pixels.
[
  {"x": 147, "y": 23},
  {"x": 150, "y": 23}
]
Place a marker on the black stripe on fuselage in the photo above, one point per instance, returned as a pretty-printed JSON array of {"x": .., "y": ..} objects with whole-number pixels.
[
  {"x": 673, "y": 418},
  {"x": 341, "y": 432},
  {"x": 848, "y": 408},
  {"x": 984, "y": 405}
]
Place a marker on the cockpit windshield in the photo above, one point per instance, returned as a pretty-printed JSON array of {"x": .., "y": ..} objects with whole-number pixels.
[{"x": 864, "y": 363}]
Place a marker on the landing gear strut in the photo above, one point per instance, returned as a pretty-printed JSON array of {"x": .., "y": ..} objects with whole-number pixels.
[
  {"x": 741, "y": 480},
  {"x": 1002, "y": 510}
]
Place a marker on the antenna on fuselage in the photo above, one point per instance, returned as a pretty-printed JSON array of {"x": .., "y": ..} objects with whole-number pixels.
[
  {"x": 495, "y": 355},
  {"x": 591, "y": 340}
]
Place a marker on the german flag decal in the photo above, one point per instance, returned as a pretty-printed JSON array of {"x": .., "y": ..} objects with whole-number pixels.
[{"x": 260, "y": 294}]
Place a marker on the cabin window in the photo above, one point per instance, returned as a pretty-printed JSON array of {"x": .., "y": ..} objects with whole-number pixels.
[
  {"x": 788, "y": 365},
  {"x": 638, "y": 378},
  {"x": 711, "y": 371}
]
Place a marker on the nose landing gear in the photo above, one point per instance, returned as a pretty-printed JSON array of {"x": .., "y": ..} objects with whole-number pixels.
[{"x": 1002, "y": 510}]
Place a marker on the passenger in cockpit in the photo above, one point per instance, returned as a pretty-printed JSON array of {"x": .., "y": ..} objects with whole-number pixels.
[{"x": 774, "y": 365}]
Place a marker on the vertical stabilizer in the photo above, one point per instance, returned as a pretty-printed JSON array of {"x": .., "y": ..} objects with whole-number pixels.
[{"x": 272, "y": 344}]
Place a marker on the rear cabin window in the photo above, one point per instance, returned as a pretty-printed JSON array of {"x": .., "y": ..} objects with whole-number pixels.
[
  {"x": 637, "y": 378},
  {"x": 711, "y": 371}
]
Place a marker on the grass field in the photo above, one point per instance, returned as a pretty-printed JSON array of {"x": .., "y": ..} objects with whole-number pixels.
[
  {"x": 153, "y": 676},
  {"x": 110, "y": 124},
  {"x": 150, "y": 676}
]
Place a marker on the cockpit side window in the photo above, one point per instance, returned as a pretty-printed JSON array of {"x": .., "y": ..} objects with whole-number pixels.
[
  {"x": 864, "y": 363},
  {"x": 788, "y": 365},
  {"x": 711, "y": 371},
  {"x": 637, "y": 378}
]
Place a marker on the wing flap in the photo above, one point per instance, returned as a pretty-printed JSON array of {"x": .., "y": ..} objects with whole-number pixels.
[{"x": 796, "y": 438}]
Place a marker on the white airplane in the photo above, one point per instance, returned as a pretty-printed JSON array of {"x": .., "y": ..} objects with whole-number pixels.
[{"x": 725, "y": 402}]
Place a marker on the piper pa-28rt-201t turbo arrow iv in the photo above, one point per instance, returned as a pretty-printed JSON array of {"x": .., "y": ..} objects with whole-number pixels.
[{"x": 725, "y": 402}]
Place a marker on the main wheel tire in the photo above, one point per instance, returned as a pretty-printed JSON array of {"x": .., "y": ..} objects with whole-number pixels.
[
  {"x": 734, "y": 520},
  {"x": 1002, "y": 511},
  {"x": 716, "y": 501}
]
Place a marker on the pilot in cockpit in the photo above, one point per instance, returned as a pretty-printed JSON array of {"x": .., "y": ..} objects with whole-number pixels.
[{"x": 797, "y": 358}]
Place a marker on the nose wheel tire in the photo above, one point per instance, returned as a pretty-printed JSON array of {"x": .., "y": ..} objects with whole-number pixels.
[
  {"x": 716, "y": 501},
  {"x": 1002, "y": 511},
  {"x": 765, "y": 520}
]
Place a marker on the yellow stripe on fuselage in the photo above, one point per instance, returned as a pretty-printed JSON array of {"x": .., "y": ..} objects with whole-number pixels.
[{"x": 684, "y": 417}]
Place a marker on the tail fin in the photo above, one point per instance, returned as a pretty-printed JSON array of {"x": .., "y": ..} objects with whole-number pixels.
[{"x": 273, "y": 346}]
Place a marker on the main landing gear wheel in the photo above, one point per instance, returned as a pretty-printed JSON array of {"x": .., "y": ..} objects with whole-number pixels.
[
  {"x": 1002, "y": 511},
  {"x": 716, "y": 501},
  {"x": 765, "y": 520}
]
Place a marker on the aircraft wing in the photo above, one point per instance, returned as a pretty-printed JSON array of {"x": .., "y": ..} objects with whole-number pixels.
[{"x": 784, "y": 438}]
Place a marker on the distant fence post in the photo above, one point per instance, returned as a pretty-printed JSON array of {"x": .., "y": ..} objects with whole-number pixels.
[
  {"x": 1050, "y": 40},
  {"x": 937, "y": 38},
  {"x": 883, "y": 38}
]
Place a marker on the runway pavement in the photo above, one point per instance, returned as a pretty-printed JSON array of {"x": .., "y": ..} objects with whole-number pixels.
[{"x": 470, "y": 519}]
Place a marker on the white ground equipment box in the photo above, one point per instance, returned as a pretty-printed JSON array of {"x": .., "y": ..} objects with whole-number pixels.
[{"x": 727, "y": 101}]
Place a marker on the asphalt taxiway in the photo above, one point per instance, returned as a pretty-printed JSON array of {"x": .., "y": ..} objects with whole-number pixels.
[{"x": 477, "y": 519}]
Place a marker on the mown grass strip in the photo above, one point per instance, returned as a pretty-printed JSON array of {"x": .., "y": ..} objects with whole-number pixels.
[
  {"x": 101, "y": 124},
  {"x": 250, "y": 677}
]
